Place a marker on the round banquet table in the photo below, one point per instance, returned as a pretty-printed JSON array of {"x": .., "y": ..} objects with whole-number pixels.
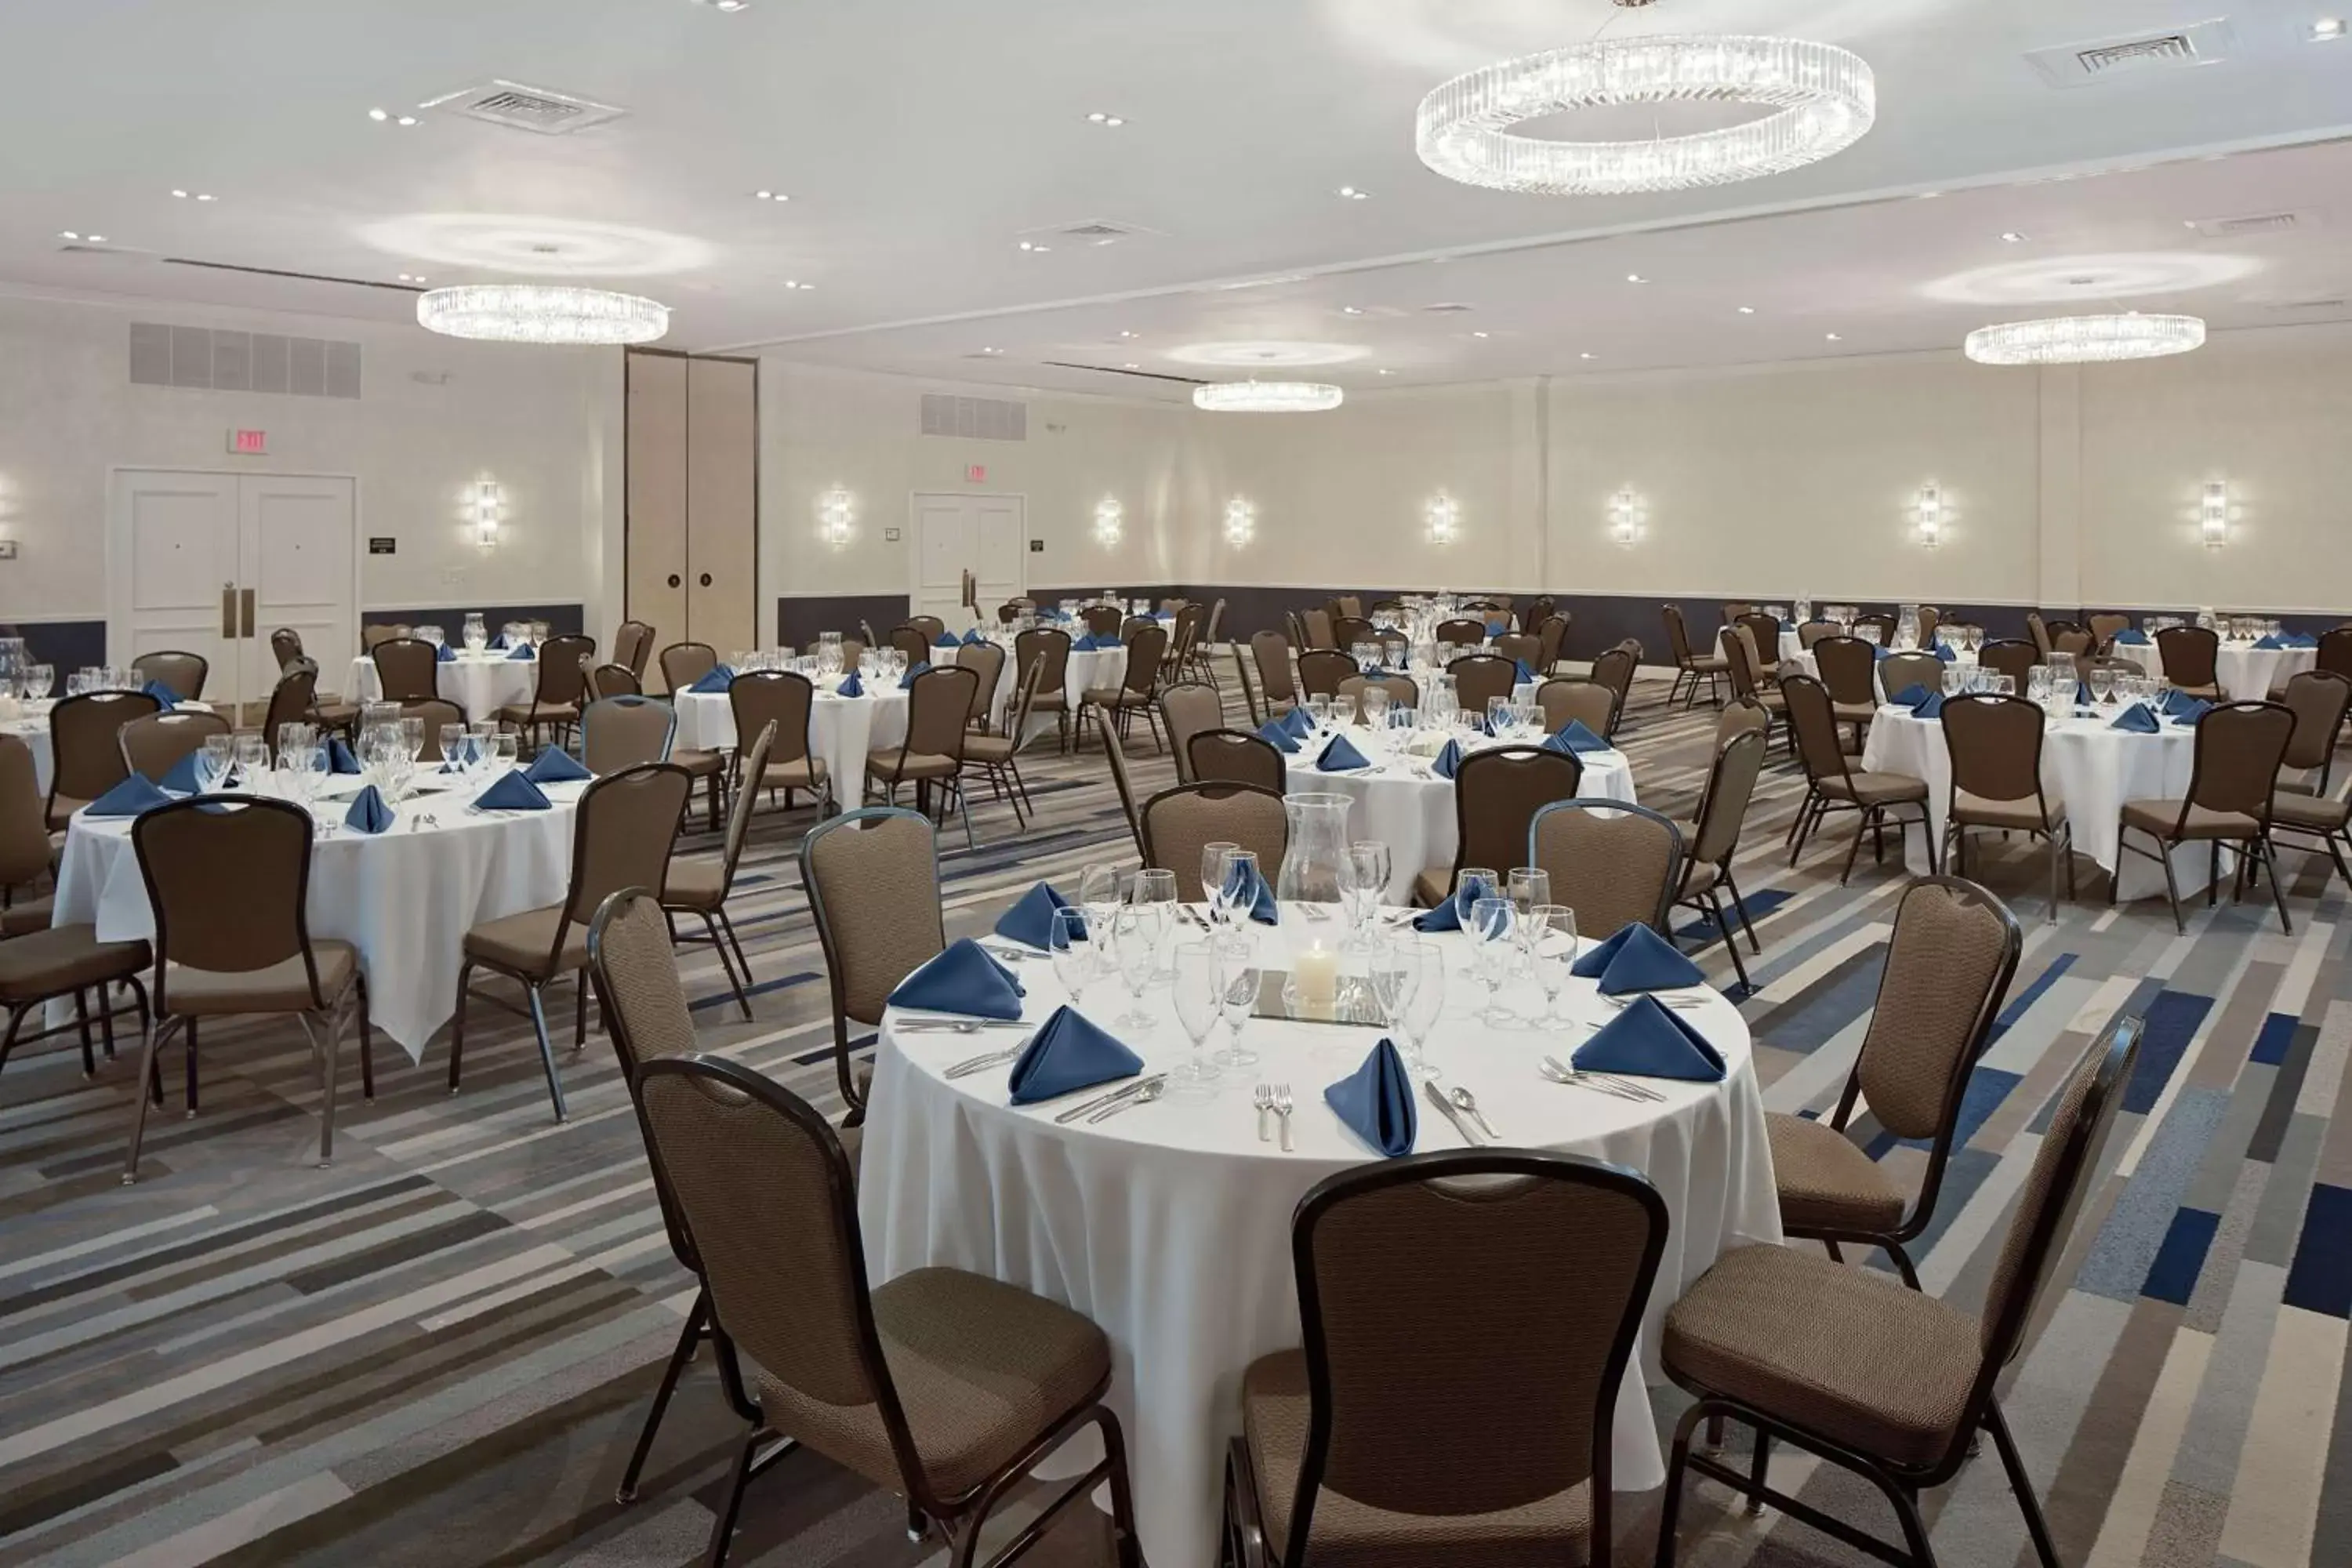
[
  {"x": 2245, "y": 672},
  {"x": 1803, "y": 663},
  {"x": 1169, "y": 1226},
  {"x": 2091, "y": 768},
  {"x": 478, "y": 683},
  {"x": 404, "y": 898},
  {"x": 842, "y": 730},
  {"x": 1404, "y": 806}
]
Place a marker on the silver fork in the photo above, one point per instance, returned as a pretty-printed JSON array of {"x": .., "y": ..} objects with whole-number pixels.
[
  {"x": 971, "y": 1065},
  {"x": 1282, "y": 1109},
  {"x": 1264, "y": 1100}
]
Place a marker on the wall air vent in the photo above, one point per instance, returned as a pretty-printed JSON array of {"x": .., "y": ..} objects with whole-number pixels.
[
  {"x": 540, "y": 110},
  {"x": 2103, "y": 59},
  {"x": 975, "y": 418},
  {"x": 2253, "y": 223},
  {"x": 220, "y": 361}
]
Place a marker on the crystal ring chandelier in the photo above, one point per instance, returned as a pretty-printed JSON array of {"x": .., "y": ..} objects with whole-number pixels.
[
  {"x": 1267, "y": 397},
  {"x": 541, "y": 313},
  {"x": 1823, "y": 98},
  {"x": 2084, "y": 339}
]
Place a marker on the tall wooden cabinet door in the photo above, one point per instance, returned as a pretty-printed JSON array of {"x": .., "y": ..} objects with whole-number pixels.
[
  {"x": 656, "y": 444},
  {"x": 723, "y": 503}
]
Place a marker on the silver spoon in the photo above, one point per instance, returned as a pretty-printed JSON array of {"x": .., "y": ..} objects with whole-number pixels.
[
  {"x": 956, "y": 1026},
  {"x": 1152, "y": 1090},
  {"x": 1465, "y": 1101}
]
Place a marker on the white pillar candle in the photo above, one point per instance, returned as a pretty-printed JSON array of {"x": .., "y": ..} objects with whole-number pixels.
[{"x": 1315, "y": 977}]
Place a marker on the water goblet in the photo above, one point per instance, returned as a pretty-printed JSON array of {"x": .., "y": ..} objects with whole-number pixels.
[
  {"x": 39, "y": 679},
  {"x": 1135, "y": 950},
  {"x": 1494, "y": 933},
  {"x": 454, "y": 749},
  {"x": 214, "y": 763},
  {"x": 505, "y": 748},
  {"x": 1471, "y": 884},
  {"x": 1200, "y": 1002},
  {"x": 1423, "y": 1006},
  {"x": 1075, "y": 958},
  {"x": 1552, "y": 949},
  {"x": 411, "y": 736},
  {"x": 1216, "y": 862},
  {"x": 1394, "y": 972},
  {"x": 252, "y": 756},
  {"x": 1238, "y": 979}
]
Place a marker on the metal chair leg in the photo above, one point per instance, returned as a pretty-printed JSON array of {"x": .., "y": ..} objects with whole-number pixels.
[
  {"x": 689, "y": 1339},
  {"x": 2027, "y": 1503},
  {"x": 728, "y": 964},
  {"x": 546, "y": 1050},
  {"x": 458, "y": 1025},
  {"x": 156, "y": 1030}
]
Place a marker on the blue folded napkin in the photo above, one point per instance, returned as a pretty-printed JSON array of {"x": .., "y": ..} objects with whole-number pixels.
[
  {"x": 2136, "y": 720},
  {"x": 339, "y": 756},
  {"x": 445, "y": 654},
  {"x": 1340, "y": 756},
  {"x": 962, "y": 979},
  {"x": 165, "y": 698},
  {"x": 520, "y": 650},
  {"x": 1447, "y": 916},
  {"x": 1944, "y": 651},
  {"x": 972, "y": 634},
  {"x": 1375, "y": 1102},
  {"x": 1262, "y": 906},
  {"x": 555, "y": 765},
  {"x": 1637, "y": 959},
  {"x": 1525, "y": 674},
  {"x": 1029, "y": 921},
  {"x": 920, "y": 667},
  {"x": 945, "y": 639},
  {"x": 1377, "y": 672},
  {"x": 181, "y": 776},
  {"x": 1275, "y": 735},
  {"x": 499, "y": 641},
  {"x": 1574, "y": 737},
  {"x": 1086, "y": 644},
  {"x": 2132, "y": 637},
  {"x": 1878, "y": 651},
  {"x": 132, "y": 795},
  {"x": 2271, "y": 641},
  {"x": 1931, "y": 708},
  {"x": 1650, "y": 1041},
  {"x": 1449, "y": 761},
  {"x": 1912, "y": 697},
  {"x": 851, "y": 686},
  {"x": 2298, "y": 639},
  {"x": 2188, "y": 709},
  {"x": 368, "y": 814},
  {"x": 720, "y": 679},
  {"x": 1297, "y": 721},
  {"x": 2082, "y": 694},
  {"x": 512, "y": 791},
  {"x": 1496, "y": 628},
  {"x": 1070, "y": 1053}
]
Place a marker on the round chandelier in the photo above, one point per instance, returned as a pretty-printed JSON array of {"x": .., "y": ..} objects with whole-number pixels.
[
  {"x": 541, "y": 313},
  {"x": 2084, "y": 339},
  {"x": 1267, "y": 397},
  {"x": 1822, "y": 100}
]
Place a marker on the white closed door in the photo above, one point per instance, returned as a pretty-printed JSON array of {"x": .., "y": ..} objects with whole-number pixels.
[
  {"x": 296, "y": 553},
  {"x": 956, "y": 535}
]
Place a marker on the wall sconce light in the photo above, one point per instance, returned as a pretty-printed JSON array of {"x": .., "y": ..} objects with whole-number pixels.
[
  {"x": 1241, "y": 521},
  {"x": 1930, "y": 514},
  {"x": 1625, "y": 517},
  {"x": 1110, "y": 520},
  {"x": 2213, "y": 514},
  {"x": 835, "y": 513},
  {"x": 1445, "y": 519},
  {"x": 486, "y": 513}
]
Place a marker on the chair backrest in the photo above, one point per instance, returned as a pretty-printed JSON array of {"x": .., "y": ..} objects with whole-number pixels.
[
  {"x": 229, "y": 889},
  {"x": 2318, "y": 699},
  {"x": 1480, "y": 678},
  {"x": 1723, "y": 808},
  {"x": 633, "y": 961},
  {"x": 1520, "y": 647},
  {"x": 1348, "y": 604},
  {"x": 618, "y": 732},
  {"x": 1350, "y": 630},
  {"x": 84, "y": 732},
  {"x": 1813, "y": 632},
  {"x": 435, "y": 712},
  {"x": 563, "y": 664},
  {"x": 614, "y": 681},
  {"x": 1316, "y": 626},
  {"x": 1614, "y": 669},
  {"x": 1677, "y": 635},
  {"x": 1996, "y": 747},
  {"x": 1177, "y": 824},
  {"x": 986, "y": 660},
  {"x": 1887, "y": 626},
  {"x": 286, "y": 645},
  {"x": 2104, "y": 627},
  {"x": 1188, "y": 708},
  {"x": 1734, "y": 641},
  {"x": 24, "y": 820},
  {"x": 1320, "y": 670},
  {"x": 2009, "y": 657},
  {"x": 1534, "y": 612},
  {"x": 739, "y": 816},
  {"x": 1463, "y": 631},
  {"x": 1236, "y": 756},
  {"x": 783, "y": 698},
  {"x": 627, "y": 823},
  {"x": 939, "y": 703},
  {"x": 873, "y": 882},
  {"x": 1733, "y": 609},
  {"x": 1145, "y": 650},
  {"x": 1115, "y": 758},
  {"x": 1270, "y": 651},
  {"x": 1902, "y": 671},
  {"x": 932, "y": 626},
  {"x": 1948, "y": 965},
  {"x": 153, "y": 743},
  {"x": 1565, "y": 698},
  {"x": 2238, "y": 759},
  {"x": 911, "y": 641},
  {"x": 1930, "y": 618},
  {"x": 1102, "y": 620},
  {"x": 1814, "y": 721},
  {"x": 1404, "y": 691},
  {"x": 1049, "y": 645},
  {"x": 1496, "y": 794},
  {"x": 1518, "y": 1317},
  {"x": 184, "y": 673},
  {"x": 1615, "y": 863},
  {"x": 684, "y": 663},
  {"x": 292, "y": 700},
  {"x": 2334, "y": 653},
  {"x": 2065, "y": 639},
  {"x": 375, "y": 632},
  {"x": 632, "y": 645},
  {"x": 1765, "y": 629},
  {"x": 1551, "y": 632},
  {"x": 2190, "y": 655},
  {"x": 406, "y": 668},
  {"x": 1847, "y": 666},
  {"x": 2038, "y": 631},
  {"x": 1740, "y": 717}
]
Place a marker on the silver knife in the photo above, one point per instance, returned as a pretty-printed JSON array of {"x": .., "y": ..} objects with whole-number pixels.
[
  {"x": 1099, "y": 1102},
  {"x": 1437, "y": 1098}
]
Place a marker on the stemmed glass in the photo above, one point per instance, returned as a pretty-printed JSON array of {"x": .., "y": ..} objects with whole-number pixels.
[
  {"x": 1551, "y": 946},
  {"x": 1423, "y": 1008},
  {"x": 504, "y": 749},
  {"x": 411, "y": 736},
  {"x": 1200, "y": 1002},
  {"x": 1530, "y": 890},
  {"x": 1362, "y": 880},
  {"x": 1216, "y": 865},
  {"x": 39, "y": 679},
  {"x": 455, "y": 752},
  {"x": 1395, "y": 973},
  {"x": 1238, "y": 979},
  {"x": 214, "y": 763},
  {"x": 1156, "y": 887},
  {"x": 1471, "y": 884},
  {"x": 252, "y": 757},
  {"x": 1098, "y": 896},
  {"x": 1135, "y": 949},
  {"x": 1494, "y": 932},
  {"x": 2103, "y": 685},
  {"x": 318, "y": 766},
  {"x": 1074, "y": 956}
]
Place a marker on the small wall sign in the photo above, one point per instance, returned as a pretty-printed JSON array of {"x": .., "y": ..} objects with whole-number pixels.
[
  {"x": 1036, "y": 547},
  {"x": 975, "y": 473},
  {"x": 380, "y": 545},
  {"x": 249, "y": 443}
]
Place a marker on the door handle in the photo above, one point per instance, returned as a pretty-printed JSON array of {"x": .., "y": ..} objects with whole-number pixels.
[
  {"x": 246, "y": 620},
  {"x": 706, "y": 579},
  {"x": 228, "y": 611},
  {"x": 674, "y": 579}
]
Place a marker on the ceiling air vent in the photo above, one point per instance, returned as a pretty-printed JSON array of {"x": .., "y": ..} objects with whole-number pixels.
[
  {"x": 1089, "y": 231},
  {"x": 1448, "y": 308},
  {"x": 2102, "y": 60},
  {"x": 2253, "y": 223},
  {"x": 540, "y": 110},
  {"x": 975, "y": 418}
]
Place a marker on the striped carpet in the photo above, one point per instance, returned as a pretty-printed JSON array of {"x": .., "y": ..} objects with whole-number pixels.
[{"x": 438, "y": 1352}]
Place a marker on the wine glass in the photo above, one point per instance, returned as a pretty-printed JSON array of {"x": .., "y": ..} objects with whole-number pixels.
[
  {"x": 1498, "y": 716},
  {"x": 1494, "y": 932},
  {"x": 214, "y": 763},
  {"x": 1423, "y": 1008},
  {"x": 1074, "y": 956},
  {"x": 1200, "y": 1002},
  {"x": 1471, "y": 884},
  {"x": 1238, "y": 979},
  {"x": 454, "y": 749},
  {"x": 39, "y": 679},
  {"x": 1395, "y": 973},
  {"x": 317, "y": 767},
  {"x": 411, "y": 736},
  {"x": 252, "y": 756},
  {"x": 505, "y": 747},
  {"x": 1361, "y": 882},
  {"x": 2103, "y": 685},
  {"x": 1098, "y": 894},
  {"x": 1216, "y": 865},
  {"x": 1156, "y": 887},
  {"x": 1528, "y": 887},
  {"x": 1137, "y": 949},
  {"x": 1551, "y": 946}
]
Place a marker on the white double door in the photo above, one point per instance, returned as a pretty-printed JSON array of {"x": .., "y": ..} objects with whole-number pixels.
[
  {"x": 981, "y": 535},
  {"x": 214, "y": 563}
]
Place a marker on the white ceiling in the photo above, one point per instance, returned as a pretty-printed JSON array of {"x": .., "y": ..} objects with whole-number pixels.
[{"x": 920, "y": 140}]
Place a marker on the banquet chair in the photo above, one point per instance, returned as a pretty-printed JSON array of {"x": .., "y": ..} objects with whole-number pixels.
[
  {"x": 1849, "y": 668},
  {"x": 1250, "y": 704},
  {"x": 2066, "y": 637},
  {"x": 435, "y": 712},
  {"x": 1614, "y": 863},
  {"x": 563, "y": 680},
  {"x": 932, "y": 755},
  {"x": 2103, "y": 628},
  {"x": 632, "y": 645},
  {"x": 1236, "y": 756},
  {"x": 684, "y": 663},
  {"x": 1947, "y": 969},
  {"x": 867, "y": 636},
  {"x": 2303, "y": 807},
  {"x": 698, "y": 885},
  {"x": 2009, "y": 657},
  {"x": 1350, "y": 630},
  {"x": 1320, "y": 670},
  {"x": 1899, "y": 672},
  {"x": 1048, "y": 646},
  {"x": 613, "y": 680},
  {"x": 328, "y": 710},
  {"x": 910, "y": 642},
  {"x": 852, "y": 652},
  {"x": 1348, "y": 604},
  {"x": 2188, "y": 654},
  {"x": 944, "y": 1387},
  {"x": 1187, "y": 709},
  {"x": 230, "y": 890},
  {"x": 1887, "y": 625},
  {"x": 26, "y": 856},
  {"x": 986, "y": 660},
  {"x": 1879, "y": 1379},
  {"x": 932, "y": 626},
  {"x": 623, "y": 831},
  {"x": 1114, "y": 756},
  {"x": 1995, "y": 744},
  {"x": 1403, "y": 689},
  {"x": 2334, "y": 654},
  {"x": 375, "y": 632},
  {"x": 1522, "y": 647},
  {"x": 1536, "y": 611},
  {"x": 1133, "y": 694},
  {"x": 993, "y": 756},
  {"x": 1461, "y": 631},
  {"x": 2232, "y": 783},
  {"x": 783, "y": 700},
  {"x": 1177, "y": 824},
  {"x": 1102, "y": 620},
  {"x": 1316, "y": 631},
  {"x": 1550, "y": 632},
  {"x": 2037, "y": 631},
  {"x": 1278, "y": 689},
  {"x": 1564, "y": 697},
  {"x": 1766, "y": 630},
  {"x": 617, "y": 733},
  {"x": 1614, "y": 668},
  {"x": 1212, "y": 631},
  {"x": 1833, "y": 782},
  {"x": 1711, "y": 838},
  {"x": 293, "y": 700},
  {"x": 406, "y": 668},
  {"x": 1496, "y": 794},
  {"x": 1690, "y": 666},
  {"x": 182, "y": 673},
  {"x": 1375, "y": 1442},
  {"x": 1745, "y": 689},
  {"x": 85, "y": 734},
  {"x": 1735, "y": 608},
  {"x": 873, "y": 880},
  {"x": 1479, "y": 679},
  {"x": 153, "y": 743},
  {"x": 1812, "y": 632},
  {"x": 1930, "y": 618}
]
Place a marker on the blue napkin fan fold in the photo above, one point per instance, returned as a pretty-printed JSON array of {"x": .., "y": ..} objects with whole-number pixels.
[
  {"x": 133, "y": 796},
  {"x": 972, "y": 634},
  {"x": 1576, "y": 737},
  {"x": 165, "y": 698},
  {"x": 2270, "y": 641},
  {"x": 1070, "y": 1053},
  {"x": 445, "y": 655},
  {"x": 1931, "y": 708},
  {"x": 181, "y": 776},
  {"x": 369, "y": 814},
  {"x": 1297, "y": 721},
  {"x": 920, "y": 667},
  {"x": 962, "y": 979},
  {"x": 555, "y": 765},
  {"x": 2136, "y": 720},
  {"x": 1637, "y": 959},
  {"x": 1944, "y": 651},
  {"x": 1375, "y": 1102},
  {"x": 513, "y": 793},
  {"x": 1649, "y": 1041},
  {"x": 1029, "y": 921},
  {"x": 1525, "y": 674},
  {"x": 339, "y": 756},
  {"x": 717, "y": 679},
  {"x": 520, "y": 650},
  {"x": 2132, "y": 637},
  {"x": 1340, "y": 756},
  {"x": 1449, "y": 761},
  {"x": 1912, "y": 697},
  {"x": 851, "y": 686},
  {"x": 1447, "y": 916},
  {"x": 1877, "y": 651},
  {"x": 946, "y": 639},
  {"x": 1275, "y": 735},
  {"x": 1262, "y": 906}
]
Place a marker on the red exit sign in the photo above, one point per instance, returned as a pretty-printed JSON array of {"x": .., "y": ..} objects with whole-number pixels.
[
  {"x": 975, "y": 474},
  {"x": 251, "y": 443}
]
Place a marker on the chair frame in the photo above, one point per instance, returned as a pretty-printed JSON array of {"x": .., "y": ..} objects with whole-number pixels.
[
  {"x": 1675, "y": 852},
  {"x": 2335, "y": 843},
  {"x": 951, "y": 784},
  {"x": 1115, "y": 757},
  {"x": 714, "y": 920},
  {"x": 1232, "y": 738},
  {"x": 1871, "y": 818},
  {"x": 2257, "y": 849},
  {"x": 2061, "y": 838},
  {"x": 1686, "y": 662},
  {"x": 1707, "y": 902},
  {"x": 843, "y": 1048}
]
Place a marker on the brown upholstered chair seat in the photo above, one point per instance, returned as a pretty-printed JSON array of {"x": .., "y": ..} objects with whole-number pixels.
[
  {"x": 1850, "y": 1351},
  {"x": 1116, "y": 697},
  {"x": 701, "y": 764},
  {"x": 980, "y": 1368},
  {"x": 1874, "y": 789},
  {"x": 899, "y": 763},
  {"x": 538, "y": 713},
  {"x": 60, "y": 812},
  {"x": 1433, "y": 886},
  {"x": 1825, "y": 1181},
  {"x": 281, "y": 987},
  {"x": 1855, "y": 713},
  {"x": 1709, "y": 664},
  {"x": 697, "y": 883},
  {"x": 57, "y": 959},
  {"x": 27, "y": 915},
  {"x": 2162, "y": 817},
  {"x": 519, "y": 944},
  {"x": 1055, "y": 702},
  {"x": 805, "y": 773},
  {"x": 1345, "y": 1532},
  {"x": 2022, "y": 814},
  {"x": 988, "y": 749},
  {"x": 334, "y": 712},
  {"x": 1772, "y": 699},
  {"x": 2317, "y": 812}
]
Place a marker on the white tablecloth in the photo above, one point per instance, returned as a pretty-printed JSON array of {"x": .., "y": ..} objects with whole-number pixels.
[
  {"x": 1169, "y": 1226},
  {"x": 404, "y": 898},
  {"x": 2091, "y": 768},
  {"x": 2246, "y": 672},
  {"x": 480, "y": 684},
  {"x": 842, "y": 730},
  {"x": 1404, "y": 806}
]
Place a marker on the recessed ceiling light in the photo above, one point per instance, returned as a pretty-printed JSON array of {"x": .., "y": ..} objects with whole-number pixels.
[
  {"x": 2327, "y": 29},
  {"x": 1385, "y": 370},
  {"x": 796, "y": 283},
  {"x": 770, "y": 196},
  {"x": 181, "y": 194},
  {"x": 729, "y": 6},
  {"x": 1481, "y": 334},
  {"x": 2010, "y": 236},
  {"x": 1131, "y": 365},
  {"x": 1355, "y": 194},
  {"x": 68, "y": 234},
  {"x": 1125, "y": 334},
  {"x": 378, "y": 115},
  {"x": 412, "y": 277},
  {"x": 1832, "y": 337},
  {"x": 1099, "y": 118},
  {"x": 97, "y": 240},
  {"x": 1747, "y": 310},
  {"x": 206, "y": 196},
  {"x": 990, "y": 351},
  {"x": 1351, "y": 309},
  {"x": 1635, "y": 277},
  {"x": 1032, "y": 246},
  {"x": 1584, "y": 356}
]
